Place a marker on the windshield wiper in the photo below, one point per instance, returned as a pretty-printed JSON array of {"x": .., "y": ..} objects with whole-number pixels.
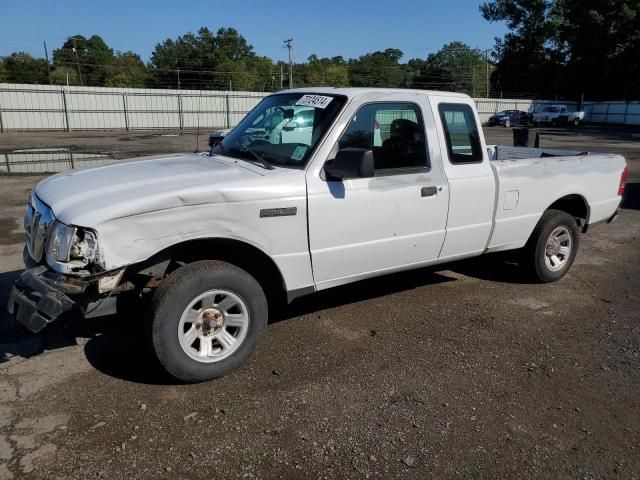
[
  {"x": 219, "y": 149},
  {"x": 263, "y": 161}
]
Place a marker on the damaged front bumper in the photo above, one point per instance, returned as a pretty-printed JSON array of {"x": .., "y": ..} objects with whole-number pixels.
[{"x": 41, "y": 296}]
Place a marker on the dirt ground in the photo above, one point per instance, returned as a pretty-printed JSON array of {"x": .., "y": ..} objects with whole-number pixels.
[{"x": 458, "y": 371}]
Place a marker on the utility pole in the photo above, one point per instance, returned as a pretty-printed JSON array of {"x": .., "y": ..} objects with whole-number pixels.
[
  {"x": 46, "y": 56},
  {"x": 75, "y": 50},
  {"x": 281, "y": 77},
  {"x": 289, "y": 44},
  {"x": 487, "y": 65}
]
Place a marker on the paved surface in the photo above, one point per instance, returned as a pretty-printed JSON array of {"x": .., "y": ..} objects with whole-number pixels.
[{"x": 462, "y": 371}]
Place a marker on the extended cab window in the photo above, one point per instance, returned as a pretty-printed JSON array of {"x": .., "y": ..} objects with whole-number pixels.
[
  {"x": 461, "y": 132},
  {"x": 393, "y": 131}
]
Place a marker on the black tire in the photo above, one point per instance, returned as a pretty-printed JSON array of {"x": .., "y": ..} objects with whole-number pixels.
[
  {"x": 507, "y": 123},
  {"x": 533, "y": 255},
  {"x": 576, "y": 122},
  {"x": 172, "y": 298}
]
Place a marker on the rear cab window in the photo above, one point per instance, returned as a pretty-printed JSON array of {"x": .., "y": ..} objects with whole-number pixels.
[{"x": 461, "y": 133}]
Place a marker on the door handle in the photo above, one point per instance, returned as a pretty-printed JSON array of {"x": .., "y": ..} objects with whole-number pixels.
[{"x": 428, "y": 191}]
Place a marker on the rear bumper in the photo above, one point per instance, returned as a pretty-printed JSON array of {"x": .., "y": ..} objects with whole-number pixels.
[{"x": 40, "y": 296}]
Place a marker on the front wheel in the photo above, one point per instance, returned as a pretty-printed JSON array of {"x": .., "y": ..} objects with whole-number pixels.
[
  {"x": 207, "y": 319},
  {"x": 552, "y": 247},
  {"x": 507, "y": 123},
  {"x": 576, "y": 122}
]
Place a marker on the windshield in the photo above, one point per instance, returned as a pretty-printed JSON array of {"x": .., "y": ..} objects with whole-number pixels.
[{"x": 283, "y": 129}]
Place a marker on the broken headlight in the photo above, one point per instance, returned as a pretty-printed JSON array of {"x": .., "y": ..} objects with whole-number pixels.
[
  {"x": 60, "y": 241},
  {"x": 71, "y": 244}
]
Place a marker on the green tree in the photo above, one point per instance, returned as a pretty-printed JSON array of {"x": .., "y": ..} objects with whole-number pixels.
[
  {"x": 528, "y": 60},
  {"x": 325, "y": 72},
  {"x": 92, "y": 56},
  {"x": 61, "y": 74},
  {"x": 20, "y": 67},
  {"x": 601, "y": 40},
  {"x": 126, "y": 70},
  {"x": 210, "y": 61},
  {"x": 455, "y": 67},
  {"x": 568, "y": 48},
  {"x": 378, "y": 69}
]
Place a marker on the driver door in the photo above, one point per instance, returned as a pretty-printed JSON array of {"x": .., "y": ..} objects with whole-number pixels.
[{"x": 396, "y": 220}]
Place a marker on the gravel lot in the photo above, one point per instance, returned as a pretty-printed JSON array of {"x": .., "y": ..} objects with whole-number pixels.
[{"x": 458, "y": 371}]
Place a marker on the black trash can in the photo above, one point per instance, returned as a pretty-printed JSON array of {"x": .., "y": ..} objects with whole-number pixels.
[{"x": 520, "y": 137}]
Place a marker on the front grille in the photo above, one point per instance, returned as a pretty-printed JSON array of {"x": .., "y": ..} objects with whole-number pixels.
[{"x": 38, "y": 220}]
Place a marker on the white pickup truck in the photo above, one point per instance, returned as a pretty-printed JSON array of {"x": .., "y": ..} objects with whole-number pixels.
[
  {"x": 386, "y": 180},
  {"x": 558, "y": 115}
]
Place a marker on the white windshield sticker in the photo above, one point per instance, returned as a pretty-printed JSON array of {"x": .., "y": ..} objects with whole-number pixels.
[
  {"x": 298, "y": 153},
  {"x": 317, "y": 101}
]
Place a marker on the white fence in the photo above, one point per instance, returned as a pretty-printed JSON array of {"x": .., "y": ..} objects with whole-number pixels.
[
  {"x": 44, "y": 107},
  {"x": 623, "y": 113}
]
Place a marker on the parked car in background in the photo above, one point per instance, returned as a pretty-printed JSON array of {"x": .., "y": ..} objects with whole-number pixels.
[
  {"x": 558, "y": 115},
  {"x": 216, "y": 137},
  {"x": 507, "y": 118}
]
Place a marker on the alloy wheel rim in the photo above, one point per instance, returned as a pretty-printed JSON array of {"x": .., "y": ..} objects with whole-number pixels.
[
  {"x": 213, "y": 326},
  {"x": 558, "y": 248}
]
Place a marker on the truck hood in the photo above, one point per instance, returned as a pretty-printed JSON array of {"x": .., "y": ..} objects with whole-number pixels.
[{"x": 88, "y": 197}]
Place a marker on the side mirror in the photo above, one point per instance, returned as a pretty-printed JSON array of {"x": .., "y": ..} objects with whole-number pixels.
[
  {"x": 290, "y": 126},
  {"x": 351, "y": 163}
]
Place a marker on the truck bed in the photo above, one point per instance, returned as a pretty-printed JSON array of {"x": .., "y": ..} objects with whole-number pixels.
[
  {"x": 503, "y": 152},
  {"x": 530, "y": 179}
]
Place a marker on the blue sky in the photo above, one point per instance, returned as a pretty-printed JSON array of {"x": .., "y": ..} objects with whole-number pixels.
[{"x": 328, "y": 28}]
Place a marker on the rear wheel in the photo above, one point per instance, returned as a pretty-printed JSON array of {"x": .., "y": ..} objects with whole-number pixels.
[
  {"x": 576, "y": 122},
  {"x": 552, "y": 247},
  {"x": 207, "y": 319},
  {"x": 507, "y": 123}
]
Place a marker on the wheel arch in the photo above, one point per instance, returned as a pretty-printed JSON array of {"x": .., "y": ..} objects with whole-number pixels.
[
  {"x": 236, "y": 252},
  {"x": 575, "y": 205}
]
